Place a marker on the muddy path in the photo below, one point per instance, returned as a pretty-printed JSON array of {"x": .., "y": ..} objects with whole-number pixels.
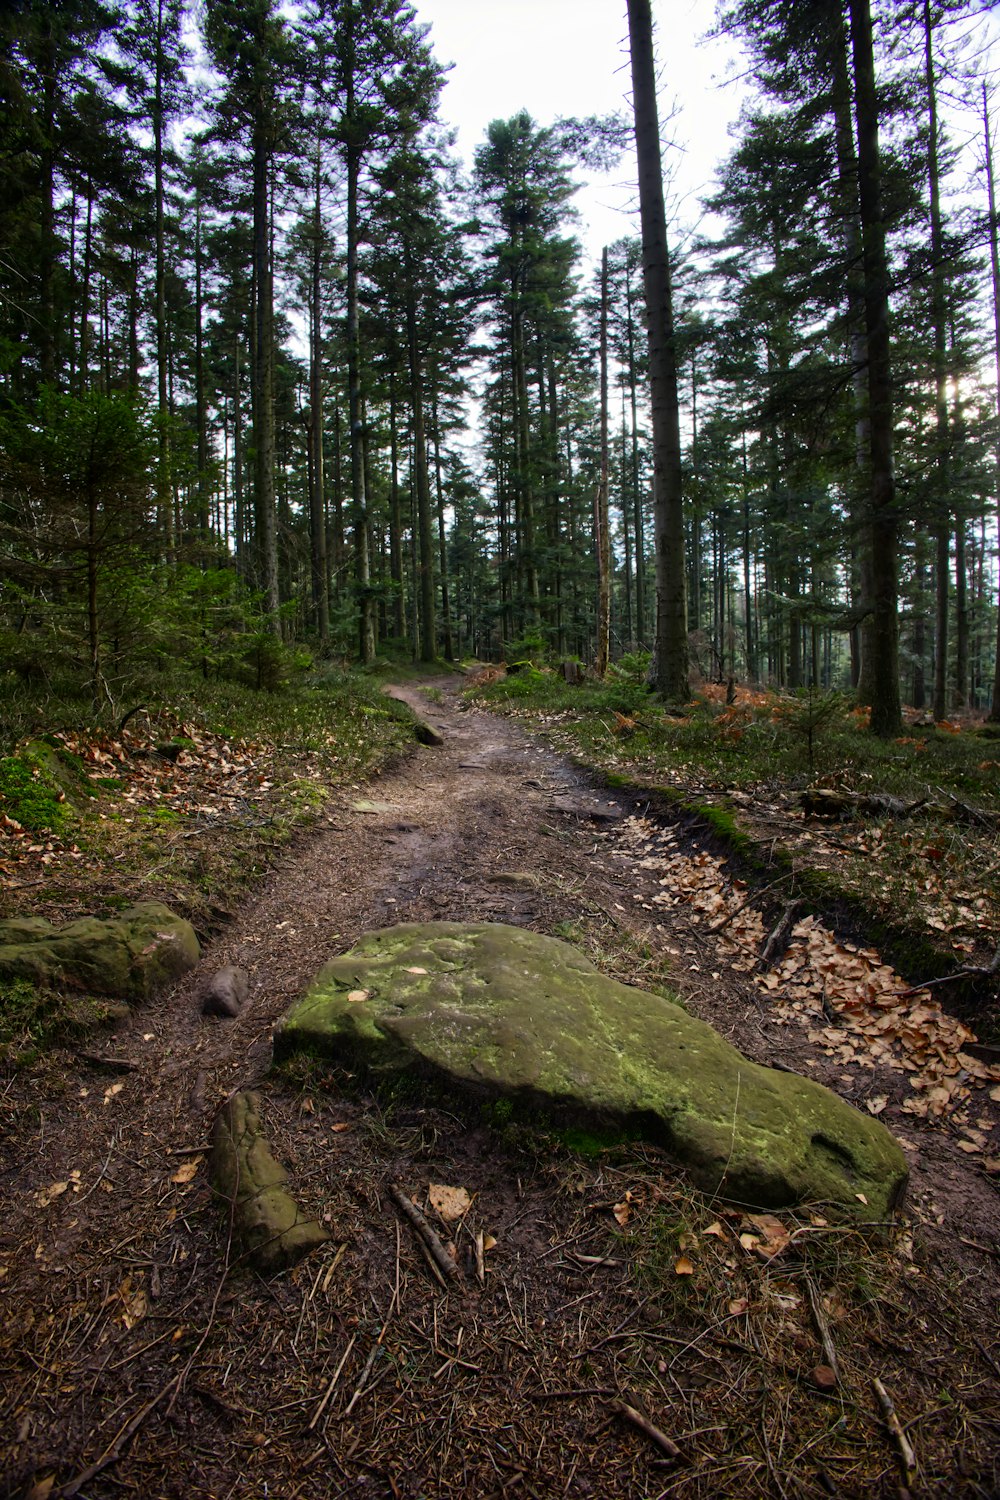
[{"x": 131, "y": 1361}]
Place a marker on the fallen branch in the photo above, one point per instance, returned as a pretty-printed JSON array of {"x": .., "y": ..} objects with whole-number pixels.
[
  {"x": 124, "y": 1436},
  {"x": 754, "y": 896},
  {"x": 636, "y": 1418},
  {"x": 780, "y": 936},
  {"x": 330, "y": 1388},
  {"x": 907, "y": 1457},
  {"x": 823, "y": 1329},
  {"x": 971, "y": 971},
  {"x": 443, "y": 1261}
]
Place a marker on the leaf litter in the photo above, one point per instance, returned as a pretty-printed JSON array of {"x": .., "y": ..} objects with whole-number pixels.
[{"x": 856, "y": 1010}]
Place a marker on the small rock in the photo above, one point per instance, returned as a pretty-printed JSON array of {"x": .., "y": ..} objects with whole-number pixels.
[
  {"x": 225, "y": 993},
  {"x": 427, "y": 734}
]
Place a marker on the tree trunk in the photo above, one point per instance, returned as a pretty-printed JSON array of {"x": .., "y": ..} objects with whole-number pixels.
[
  {"x": 164, "y": 482},
  {"x": 669, "y": 669},
  {"x": 317, "y": 489},
  {"x": 425, "y": 577},
  {"x": 886, "y": 714},
  {"x": 602, "y": 539},
  {"x": 395, "y": 520},
  {"x": 449, "y": 644},
  {"x": 362, "y": 562},
  {"x": 995, "y": 277},
  {"x": 265, "y": 520}
]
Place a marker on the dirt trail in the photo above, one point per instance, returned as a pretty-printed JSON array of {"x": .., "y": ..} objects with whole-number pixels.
[{"x": 125, "y": 1343}]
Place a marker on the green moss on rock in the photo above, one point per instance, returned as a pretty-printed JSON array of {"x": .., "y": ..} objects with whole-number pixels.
[
  {"x": 502, "y": 1012},
  {"x": 130, "y": 956},
  {"x": 269, "y": 1229}
]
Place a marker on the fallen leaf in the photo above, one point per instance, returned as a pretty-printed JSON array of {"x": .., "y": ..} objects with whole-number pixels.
[
  {"x": 489, "y": 1243},
  {"x": 861, "y": 1198},
  {"x": 969, "y": 1146},
  {"x": 450, "y": 1203},
  {"x": 42, "y": 1488},
  {"x": 340, "y": 1125},
  {"x": 995, "y": 1094},
  {"x": 738, "y": 1307},
  {"x": 623, "y": 1212},
  {"x": 187, "y": 1170},
  {"x": 45, "y": 1195},
  {"x": 825, "y": 1377},
  {"x": 876, "y": 1104},
  {"x": 776, "y": 1237},
  {"x": 716, "y": 1230},
  {"x": 683, "y": 1266},
  {"x": 992, "y": 1165},
  {"x": 415, "y": 970},
  {"x": 110, "y": 1093},
  {"x": 356, "y": 995}
]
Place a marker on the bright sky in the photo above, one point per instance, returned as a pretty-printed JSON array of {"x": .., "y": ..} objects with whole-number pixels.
[{"x": 570, "y": 57}]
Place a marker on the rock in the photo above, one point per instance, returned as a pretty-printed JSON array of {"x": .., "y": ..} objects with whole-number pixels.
[
  {"x": 427, "y": 734},
  {"x": 269, "y": 1229},
  {"x": 130, "y": 956},
  {"x": 225, "y": 993},
  {"x": 498, "y": 1011}
]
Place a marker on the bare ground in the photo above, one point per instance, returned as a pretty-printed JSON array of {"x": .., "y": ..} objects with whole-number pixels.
[{"x": 134, "y": 1358}]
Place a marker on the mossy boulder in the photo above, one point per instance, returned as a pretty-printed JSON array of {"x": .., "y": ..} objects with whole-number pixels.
[
  {"x": 42, "y": 785},
  {"x": 507, "y": 1013},
  {"x": 130, "y": 956},
  {"x": 269, "y": 1229}
]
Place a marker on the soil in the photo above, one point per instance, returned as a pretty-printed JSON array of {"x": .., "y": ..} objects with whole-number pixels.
[{"x": 137, "y": 1355}]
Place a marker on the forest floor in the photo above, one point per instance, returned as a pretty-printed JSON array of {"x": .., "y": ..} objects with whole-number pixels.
[{"x": 135, "y": 1360}]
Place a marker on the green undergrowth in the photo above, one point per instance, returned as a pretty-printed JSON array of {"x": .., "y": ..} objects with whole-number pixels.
[
  {"x": 33, "y": 1020},
  {"x": 924, "y": 888}
]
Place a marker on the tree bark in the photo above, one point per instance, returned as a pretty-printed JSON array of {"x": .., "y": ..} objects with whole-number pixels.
[
  {"x": 265, "y": 520},
  {"x": 669, "y": 668},
  {"x": 995, "y": 277},
  {"x": 602, "y": 540},
  {"x": 886, "y": 713},
  {"x": 942, "y": 521},
  {"x": 317, "y": 489}
]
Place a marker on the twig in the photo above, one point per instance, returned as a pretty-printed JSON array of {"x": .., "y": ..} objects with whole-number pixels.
[
  {"x": 823, "y": 1328},
  {"x": 778, "y": 940},
  {"x": 971, "y": 971},
  {"x": 481, "y": 1257},
  {"x": 907, "y": 1457},
  {"x": 448, "y": 1267},
  {"x": 111, "y": 1064},
  {"x": 636, "y": 1418},
  {"x": 336, "y": 1376},
  {"x": 753, "y": 897},
  {"x": 122, "y": 1439}
]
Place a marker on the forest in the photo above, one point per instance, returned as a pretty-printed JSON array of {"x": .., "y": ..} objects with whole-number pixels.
[
  {"x": 283, "y": 379},
  {"x": 499, "y": 752}
]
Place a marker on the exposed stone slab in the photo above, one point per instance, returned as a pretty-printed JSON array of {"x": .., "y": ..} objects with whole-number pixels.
[
  {"x": 131, "y": 955},
  {"x": 269, "y": 1229},
  {"x": 500, "y": 1011}
]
